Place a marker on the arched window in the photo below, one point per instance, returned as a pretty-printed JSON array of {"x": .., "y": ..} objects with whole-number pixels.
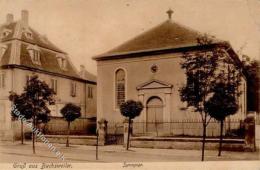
[{"x": 120, "y": 87}]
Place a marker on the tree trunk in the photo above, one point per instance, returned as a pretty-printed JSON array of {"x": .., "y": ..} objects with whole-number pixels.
[
  {"x": 128, "y": 135},
  {"x": 221, "y": 137},
  {"x": 22, "y": 136},
  {"x": 68, "y": 135},
  {"x": 203, "y": 141},
  {"x": 33, "y": 134}
]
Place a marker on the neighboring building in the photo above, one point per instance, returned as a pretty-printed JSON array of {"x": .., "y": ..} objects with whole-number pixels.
[
  {"x": 24, "y": 52},
  {"x": 147, "y": 68}
]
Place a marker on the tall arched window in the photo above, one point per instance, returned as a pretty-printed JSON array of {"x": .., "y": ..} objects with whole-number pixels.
[{"x": 120, "y": 87}]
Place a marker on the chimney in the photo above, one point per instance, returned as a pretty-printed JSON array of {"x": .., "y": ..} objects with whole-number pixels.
[
  {"x": 9, "y": 18},
  {"x": 25, "y": 17}
]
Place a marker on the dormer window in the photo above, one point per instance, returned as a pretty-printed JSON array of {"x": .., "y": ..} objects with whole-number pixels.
[
  {"x": 35, "y": 54},
  {"x": 5, "y": 33},
  {"x": 3, "y": 48},
  {"x": 27, "y": 33},
  {"x": 62, "y": 62}
]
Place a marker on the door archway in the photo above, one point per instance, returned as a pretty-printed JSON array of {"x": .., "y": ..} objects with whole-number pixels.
[{"x": 154, "y": 114}]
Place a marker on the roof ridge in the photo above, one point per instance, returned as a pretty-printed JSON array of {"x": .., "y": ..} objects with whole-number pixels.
[
  {"x": 168, "y": 34},
  {"x": 135, "y": 37}
]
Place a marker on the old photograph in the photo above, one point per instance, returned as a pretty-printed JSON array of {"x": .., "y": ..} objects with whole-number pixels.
[{"x": 98, "y": 84}]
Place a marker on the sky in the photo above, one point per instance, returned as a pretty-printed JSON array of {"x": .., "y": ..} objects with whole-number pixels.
[{"x": 86, "y": 28}]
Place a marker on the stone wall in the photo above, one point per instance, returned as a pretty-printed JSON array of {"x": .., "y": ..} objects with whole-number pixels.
[{"x": 81, "y": 126}]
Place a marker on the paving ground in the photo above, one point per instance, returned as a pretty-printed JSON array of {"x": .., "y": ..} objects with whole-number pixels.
[{"x": 15, "y": 152}]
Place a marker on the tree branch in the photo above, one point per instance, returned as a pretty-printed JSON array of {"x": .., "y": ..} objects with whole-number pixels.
[{"x": 208, "y": 121}]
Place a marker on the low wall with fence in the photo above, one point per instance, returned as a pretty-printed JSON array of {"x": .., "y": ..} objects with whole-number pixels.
[
  {"x": 232, "y": 128},
  {"x": 81, "y": 126},
  {"x": 183, "y": 128},
  {"x": 186, "y": 143},
  {"x": 16, "y": 126}
]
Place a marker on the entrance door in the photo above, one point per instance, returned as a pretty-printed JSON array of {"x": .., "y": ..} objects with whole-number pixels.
[{"x": 154, "y": 115}]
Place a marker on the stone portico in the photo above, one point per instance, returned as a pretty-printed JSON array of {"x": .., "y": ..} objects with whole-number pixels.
[{"x": 151, "y": 91}]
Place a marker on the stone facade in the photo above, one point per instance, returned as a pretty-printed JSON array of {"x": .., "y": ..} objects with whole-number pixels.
[
  {"x": 153, "y": 75},
  {"x": 142, "y": 84}
]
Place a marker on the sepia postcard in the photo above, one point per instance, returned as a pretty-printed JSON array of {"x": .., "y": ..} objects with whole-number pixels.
[{"x": 129, "y": 84}]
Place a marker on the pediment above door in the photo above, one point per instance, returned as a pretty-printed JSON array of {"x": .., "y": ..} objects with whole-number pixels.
[{"x": 154, "y": 84}]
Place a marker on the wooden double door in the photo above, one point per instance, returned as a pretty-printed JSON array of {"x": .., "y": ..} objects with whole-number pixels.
[{"x": 154, "y": 123}]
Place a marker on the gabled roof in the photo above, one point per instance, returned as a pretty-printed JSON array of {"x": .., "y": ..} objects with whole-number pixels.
[
  {"x": 167, "y": 35},
  {"x": 18, "y": 32}
]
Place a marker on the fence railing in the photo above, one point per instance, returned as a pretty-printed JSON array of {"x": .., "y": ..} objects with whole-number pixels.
[
  {"x": 81, "y": 126},
  {"x": 232, "y": 128}
]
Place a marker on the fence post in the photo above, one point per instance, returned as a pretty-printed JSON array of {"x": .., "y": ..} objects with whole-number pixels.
[
  {"x": 257, "y": 131},
  {"x": 249, "y": 132},
  {"x": 102, "y": 131}
]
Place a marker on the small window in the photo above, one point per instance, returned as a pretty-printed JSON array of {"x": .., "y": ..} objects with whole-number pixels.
[
  {"x": 2, "y": 80},
  {"x": 36, "y": 56},
  {"x": 54, "y": 84},
  {"x": 2, "y": 110},
  {"x": 73, "y": 89},
  {"x": 62, "y": 62},
  {"x": 90, "y": 92}
]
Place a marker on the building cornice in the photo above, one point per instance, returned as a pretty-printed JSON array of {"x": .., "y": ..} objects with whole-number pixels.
[
  {"x": 47, "y": 72},
  {"x": 49, "y": 49},
  {"x": 159, "y": 51}
]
